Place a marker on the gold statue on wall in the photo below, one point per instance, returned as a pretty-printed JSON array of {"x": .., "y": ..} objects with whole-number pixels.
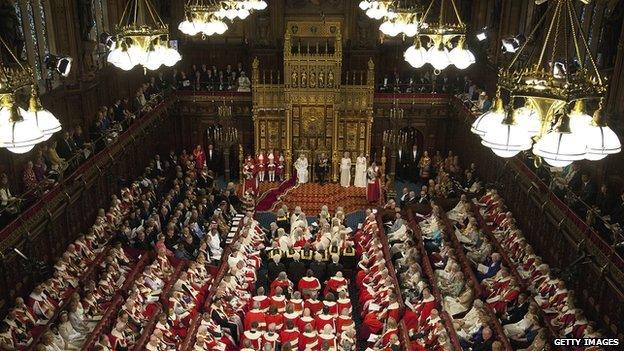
[
  {"x": 312, "y": 79},
  {"x": 304, "y": 79},
  {"x": 293, "y": 79},
  {"x": 330, "y": 79},
  {"x": 321, "y": 80}
]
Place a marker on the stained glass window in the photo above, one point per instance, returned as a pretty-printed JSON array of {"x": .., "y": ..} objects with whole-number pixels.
[
  {"x": 18, "y": 13},
  {"x": 101, "y": 26},
  {"x": 32, "y": 21},
  {"x": 36, "y": 59},
  {"x": 43, "y": 31}
]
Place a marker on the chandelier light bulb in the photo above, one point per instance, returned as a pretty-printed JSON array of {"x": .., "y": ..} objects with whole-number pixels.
[
  {"x": 45, "y": 120},
  {"x": 377, "y": 10},
  {"x": 410, "y": 29},
  {"x": 259, "y": 5},
  {"x": 561, "y": 146},
  {"x": 489, "y": 119},
  {"x": 391, "y": 28},
  {"x": 243, "y": 13},
  {"x": 579, "y": 120},
  {"x": 188, "y": 27},
  {"x": 137, "y": 54},
  {"x": 438, "y": 56},
  {"x": 124, "y": 60},
  {"x": 529, "y": 119},
  {"x": 21, "y": 133},
  {"x": 460, "y": 56},
  {"x": 154, "y": 58},
  {"x": 170, "y": 56},
  {"x": 416, "y": 55},
  {"x": 215, "y": 26},
  {"x": 113, "y": 56},
  {"x": 507, "y": 140},
  {"x": 365, "y": 5},
  {"x": 601, "y": 142}
]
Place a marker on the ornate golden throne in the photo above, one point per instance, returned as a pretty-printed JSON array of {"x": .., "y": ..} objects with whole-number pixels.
[{"x": 318, "y": 107}]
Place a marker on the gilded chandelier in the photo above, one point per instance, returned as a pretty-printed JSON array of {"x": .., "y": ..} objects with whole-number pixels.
[
  {"x": 404, "y": 18},
  {"x": 21, "y": 129},
  {"x": 549, "y": 95},
  {"x": 142, "y": 38},
  {"x": 444, "y": 41},
  {"x": 207, "y": 16},
  {"x": 399, "y": 16},
  {"x": 377, "y": 9}
]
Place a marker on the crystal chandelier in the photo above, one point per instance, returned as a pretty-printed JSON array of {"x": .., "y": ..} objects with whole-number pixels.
[
  {"x": 445, "y": 42},
  {"x": 142, "y": 38},
  {"x": 403, "y": 18},
  {"x": 549, "y": 93},
  {"x": 20, "y": 129}
]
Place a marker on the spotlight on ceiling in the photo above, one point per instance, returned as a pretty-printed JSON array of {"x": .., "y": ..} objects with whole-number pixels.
[
  {"x": 562, "y": 68},
  {"x": 482, "y": 34},
  {"x": 559, "y": 70},
  {"x": 512, "y": 44},
  {"x": 107, "y": 39},
  {"x": 61, "y": 64}
]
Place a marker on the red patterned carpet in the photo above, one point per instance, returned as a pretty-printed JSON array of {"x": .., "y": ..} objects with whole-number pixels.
[
  {"x": 312, "y": 196},
  {"x": 262, "y": 187}
]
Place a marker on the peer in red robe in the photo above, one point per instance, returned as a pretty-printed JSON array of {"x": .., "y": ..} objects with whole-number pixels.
[
  {"x": 271, "y": 338},
  {"x": 308, "y": 284},
  {"x": 343, "y": 322},
  {"x": 262, "y": 299},
  {"x": 275, "y": 317},
  {"x": 373, "y": 322},
  {"x": 373, "y": 188},
  {"x": 335, "y": 284},
  {"x": 200, "y": 157},
  {"x": 281, "y": 281},
  {"x": 290, "y": 335},
  {"x": 422, "y": 310},
  {"x": 308, "y": 340},
  {"x": 314, "y": 305},
  {"x": 344, "y": 303},
  {"x": 249, "y": 171},
  {"x": 253, "y": 336},
  {"x": 305, "y": 320},
  {"x": 325, "y": 319},
  {"x": 255, "y": 315}
]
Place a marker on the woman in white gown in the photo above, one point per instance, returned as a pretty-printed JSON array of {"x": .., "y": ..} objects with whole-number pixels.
[
  {"x": 517, "y": 331},
  {"x": 301, "y": 165},
  {"x": 73, "y": 339},
  {"x": 360, "y": 172},
  {"x": 345, "y": 170},
  {"x": 461, "y": 303}
]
